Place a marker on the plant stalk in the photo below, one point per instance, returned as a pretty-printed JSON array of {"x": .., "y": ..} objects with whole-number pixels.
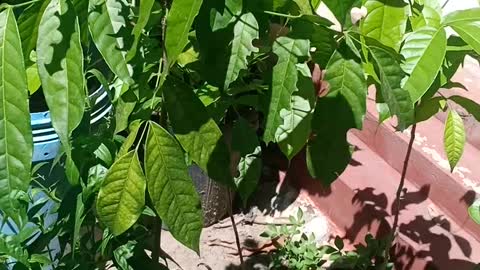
[
  {"x": 398, "y": 195},
  {"x": 157, "y": 230},
  {"x": 237, "y": 238}
]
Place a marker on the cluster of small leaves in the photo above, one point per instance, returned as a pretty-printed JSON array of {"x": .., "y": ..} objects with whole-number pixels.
[{"x": 184, "y": 75}]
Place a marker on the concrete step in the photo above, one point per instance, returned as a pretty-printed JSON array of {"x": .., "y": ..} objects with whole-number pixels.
[
  {"x": 361, "y": 200},
  {"x": 453, "y": 192}
]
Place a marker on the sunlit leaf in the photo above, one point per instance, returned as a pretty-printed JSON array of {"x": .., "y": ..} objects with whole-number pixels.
[
  {"x": 424, "y": 51},
  {"x": 107, "y": 26},
  {"x": 386, "y": 21},
  {"x": 198, "y": 134},
  {"x": 221, "y": 17},
  {"x": 454, "y": 138},
  {"x": 121, "y": 198},
  {"x": 170, "y": 187},
  {"x": 180, "y": 19},
  {"x": 60, "y": 66},
  {"x": 474, "y": 211},
  {"x": 15, "y": 130},
  {"x": 245, "y": 31}
]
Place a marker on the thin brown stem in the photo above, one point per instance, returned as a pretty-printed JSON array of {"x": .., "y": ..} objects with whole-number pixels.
[
  {"x": 398, "y": 195},
  {"x": 234, "y": 225}
]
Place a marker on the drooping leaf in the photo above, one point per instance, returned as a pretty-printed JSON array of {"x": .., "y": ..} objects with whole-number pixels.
[
  {"x": 454, "y": 138},
  {"x": 144, "y": 15},
  {"x": 121, "y": 198},
  {"x": 429, "y": 108},
  {"x": 471, "y": 106},
  {"x": 15, "y": 130},
  {"x": 470, "y": 32},
  {"x": 293, "y": 133},
  {"x": 28, "y": 23},
  {"x": 180, "y": 19},
  {"x": 346, "y": 78},
  {"x": 391, "y": 76},
  {"x": 107, "y": 25},
  {"x": 222, "y": 16},
  {"x": 245, "y": 31},
  {"x": 198, "y": 134},
  {"x": 424, "y": 51},
  {"x": 474, "y": 211},
  {"x": 290, "y": 52},
  {"x": 60, "y": 66},
  {"x": 343, "y": 108},
  {"x": 386, "y": 21},
  {"x": 245, "y": 142},
  {"x": 171, "y": 188}
]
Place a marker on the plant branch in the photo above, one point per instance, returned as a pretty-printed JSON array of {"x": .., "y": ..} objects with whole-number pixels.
[
  {"x": 234, "y": 225},
  {"x": 398, "y": 195}
]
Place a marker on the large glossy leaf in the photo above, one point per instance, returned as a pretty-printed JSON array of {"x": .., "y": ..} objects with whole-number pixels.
[
  {"x": 107, "y": 26},
  {"x": 471, "y": 106},
  {"x": 424, "y": 51},
  {"x": 60, "y": 66},
  {"x": 170, "y": 187},
  {"x": 386, "y": 21},
  {"x": 28, "y": 23},
  {"x": 391, "y": 76},
  {"x": 15, "y": 130},
  {"x": 454, "y": 138},
  {"x": 470, "y": 32},
  {"x": 180, "y": 19},
  {"x": 344, "y": 107},
  {"x": 346, "y": 78},
  {"x": 246, "y": 144},
  {"x": 462, "y": 16},
  {"x": 121, "y": 198},
  {"x": 198, "y": 134},
  {"x": 244, "y": 32},
  {"x": 293, "y": 133},
  {"x": 284, "y": 82}
]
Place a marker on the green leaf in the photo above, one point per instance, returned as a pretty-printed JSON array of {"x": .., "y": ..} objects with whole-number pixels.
[
  {"x": 15, "y": 130},
  {"x": 60, "y": 66},
  {"x": 130, "y": 140},
  {"x": 346, "y": 78},
  {"x": 344, "y": 107},
  {"x": 462, "y": 16},
  {"x": 198, "y": 134},
  {"x": 123, "y": 253},
  {"x": 33, "y": 79},
  {"x": 293, "y": 133},
  {"x": 144, "y": 15},
  {"x": 391, "y": 76},
  {"x": 180, "y": 19},
  {"x": 105, "y": 22},
  {"x": 386, "y": 21},
  {"x": 171, "y": 188},
  {"x": 429, "y": 108},
  {"x": 341, "y": 9},
  {"x": 474, "y": 211},
  {"x": 221, "y": 17},
  {"x": 470, "y": 32},
  {"x": 245, "y": 142},
  {"x": 79, "y": 218},
  {"x": 424, "y": 51},
  {"x": 121, "y": 198},
  {"x": 290, "y": 52},
  {"x": 244, "y": 33},
  {"x": 454, "y": 138},
  {"x": 469, "y": 105},
  {"x": 28, "y": 23},
  {"x": 429, "y": 15}
]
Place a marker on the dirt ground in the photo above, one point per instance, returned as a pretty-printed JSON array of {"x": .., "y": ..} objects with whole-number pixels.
[{"x": 218, "y": 249}]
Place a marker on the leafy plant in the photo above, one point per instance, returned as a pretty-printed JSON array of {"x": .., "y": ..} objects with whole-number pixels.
[{"x": 181, "y": 76}]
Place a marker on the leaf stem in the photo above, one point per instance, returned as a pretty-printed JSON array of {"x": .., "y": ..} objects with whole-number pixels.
[
  {"x": 237, "y": 238},
  {"x": 398, "y": 196},
  {"x": 282, "y": 15}
]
